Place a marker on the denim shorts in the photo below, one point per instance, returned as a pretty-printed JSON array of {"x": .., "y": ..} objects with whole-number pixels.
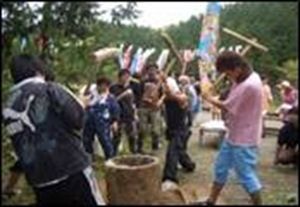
[{"x": 243, "y": 160}]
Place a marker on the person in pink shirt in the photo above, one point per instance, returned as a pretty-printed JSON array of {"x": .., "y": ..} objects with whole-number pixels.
[{"x": 243, "y": 107}]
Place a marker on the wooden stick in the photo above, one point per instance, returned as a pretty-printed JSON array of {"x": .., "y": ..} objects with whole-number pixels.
[
  {"x": 172, "y": 47},
  {"x": 220, "y": 78},
  {"x": 183, "y": 70},
  {"x": 170, "y": 66},
  {"x": 249, "y": 41}
]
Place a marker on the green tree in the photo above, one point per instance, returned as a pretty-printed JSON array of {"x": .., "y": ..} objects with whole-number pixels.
[
  {"x": 120, "y": 13},
  {"x": 17, "y": 21},
  {"x": 290, "y": 70}
]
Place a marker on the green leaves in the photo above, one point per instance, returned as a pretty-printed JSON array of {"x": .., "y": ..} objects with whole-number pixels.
[
  {"x": 121, "y": 13},
  {"x": 290, "y": 70}
]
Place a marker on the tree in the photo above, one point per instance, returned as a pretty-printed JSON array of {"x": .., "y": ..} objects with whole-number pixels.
[
  {"x": 73, "y": 18},
  {"x": 17, "y": 21},
  {"x": 290, "y": 70},
  {"x": 120, "y": 13}
]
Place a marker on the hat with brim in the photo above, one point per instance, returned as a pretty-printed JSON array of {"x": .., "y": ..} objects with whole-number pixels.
[{"x": 285, "y": 84}]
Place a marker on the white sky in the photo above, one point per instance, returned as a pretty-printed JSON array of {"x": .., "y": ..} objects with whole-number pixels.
[{"x": 159, "y": 14}]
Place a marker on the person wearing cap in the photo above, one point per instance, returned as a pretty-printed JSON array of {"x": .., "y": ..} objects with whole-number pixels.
[
  {"x": 243, "y": 108},
  {"x": 102, "y": 119},
  {"x": 150, "y": 108},
  {"x": 288, "y": 95},
  {"x": 126, "y": 92},
  {"x": 188, "y": 88},
  {"x": 176, "y": 105},
  {"x": 43, "y": 120}
]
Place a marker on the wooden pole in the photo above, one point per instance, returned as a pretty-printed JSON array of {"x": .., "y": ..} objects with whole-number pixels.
[
  {"x": 247, "y": 40},
  {"x": 172, "y": 47},
  {"x": 170, "y": 66},
  {"x": 183, "y": 70},
  {"x": 248, "y": 47}
]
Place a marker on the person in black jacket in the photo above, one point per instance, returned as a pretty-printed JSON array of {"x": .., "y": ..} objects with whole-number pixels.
[
  {"x": 15, "y": 171},
  {"x": 43, "y": 120},
  {"x": 126, "y": 92}
]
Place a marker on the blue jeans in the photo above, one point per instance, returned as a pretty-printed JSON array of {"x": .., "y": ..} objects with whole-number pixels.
[
  {"x": 243, "y": 160},
  {"x": 95, "y": 126}
]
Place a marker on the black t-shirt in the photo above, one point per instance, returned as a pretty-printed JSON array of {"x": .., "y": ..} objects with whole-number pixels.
[
  {"x": 129, "y": 102},
  {"x": 175, "y": 115},
  {"x": 137, "y": 91}
]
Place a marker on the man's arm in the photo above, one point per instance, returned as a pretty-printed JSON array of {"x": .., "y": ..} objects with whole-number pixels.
[{"x": 214, "y": 101}]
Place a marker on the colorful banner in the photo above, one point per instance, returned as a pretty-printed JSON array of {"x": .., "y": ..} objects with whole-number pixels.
[{"x": 207, "y": 47}]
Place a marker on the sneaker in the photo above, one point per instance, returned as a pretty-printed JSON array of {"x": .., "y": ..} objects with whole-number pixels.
[{"x": 168, "y": 185}]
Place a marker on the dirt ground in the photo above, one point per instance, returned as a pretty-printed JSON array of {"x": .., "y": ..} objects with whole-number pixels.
[{"x": 280, "y": 183}]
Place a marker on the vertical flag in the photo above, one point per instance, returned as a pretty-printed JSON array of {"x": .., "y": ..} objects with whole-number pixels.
[{"x": 207, "y": 46}]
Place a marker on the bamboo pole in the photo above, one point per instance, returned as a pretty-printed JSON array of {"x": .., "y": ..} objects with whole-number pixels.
[
  {"x": 170, "y": 66},
  {"x": 247, "y": 40},
  {"x": 172, "y": 47}
]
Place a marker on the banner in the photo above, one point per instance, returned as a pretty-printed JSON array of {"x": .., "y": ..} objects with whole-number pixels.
[{"x": 207, "y": 47}]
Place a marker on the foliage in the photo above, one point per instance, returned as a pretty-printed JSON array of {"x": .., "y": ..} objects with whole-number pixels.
[
  {"x": 80, "y": 26},
  {"x": 290, "y": 70},
  {"x": 121, "y": 13}
]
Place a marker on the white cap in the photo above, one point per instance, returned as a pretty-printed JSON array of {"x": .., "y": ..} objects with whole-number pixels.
[
  {"x": 285, "y": 84},
  {"x": 171, "y": 82}
]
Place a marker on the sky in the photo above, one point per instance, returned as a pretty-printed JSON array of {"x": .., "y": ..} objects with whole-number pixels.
[{"x": 161, "y": 14}]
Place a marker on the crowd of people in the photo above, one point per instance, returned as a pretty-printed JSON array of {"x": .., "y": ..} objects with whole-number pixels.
[{"x": 53, "y": 130}]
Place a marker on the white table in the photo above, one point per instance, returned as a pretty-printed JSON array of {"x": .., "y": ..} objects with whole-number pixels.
[{"x": 215, "y": 126}]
